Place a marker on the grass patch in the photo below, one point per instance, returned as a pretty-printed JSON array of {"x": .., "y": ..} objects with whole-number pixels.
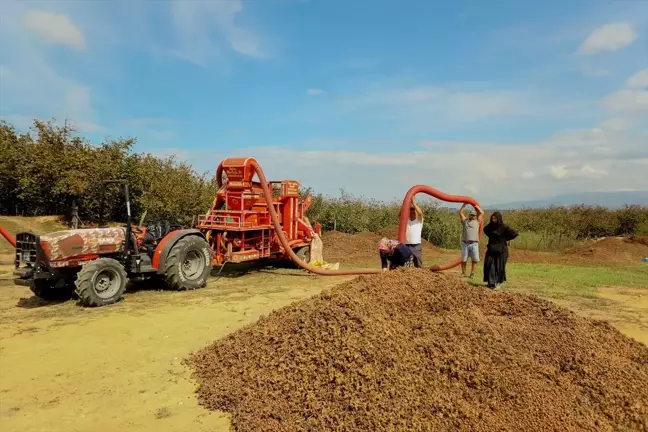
[
  {"x": 559, "y": 281},
  {"x": 563, "y": 281}
]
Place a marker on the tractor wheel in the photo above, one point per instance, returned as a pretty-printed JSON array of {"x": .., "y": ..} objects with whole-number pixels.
[
  {"x": 101, "y": 282},
  {"x": 188, "y": 264},
  {"x": 51, "y": 290},
  {"x": 303, "y": 253}
]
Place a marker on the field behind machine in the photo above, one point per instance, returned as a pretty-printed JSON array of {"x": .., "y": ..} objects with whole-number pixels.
[{"x": 132, "y": 351}]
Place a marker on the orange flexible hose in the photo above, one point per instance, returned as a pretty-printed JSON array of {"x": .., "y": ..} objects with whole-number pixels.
[
  {"x": 404, "y": 216},
  {"x": 284, "y": 241},
  {"x": 11, "y": 239},
  {"x": 401, "y": 233}
]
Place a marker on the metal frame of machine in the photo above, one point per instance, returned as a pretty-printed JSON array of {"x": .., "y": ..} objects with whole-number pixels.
[{"x": 238, "y": 225}]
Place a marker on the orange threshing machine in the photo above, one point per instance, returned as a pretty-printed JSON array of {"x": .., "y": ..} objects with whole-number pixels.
[{"x": 238, "y": 225}]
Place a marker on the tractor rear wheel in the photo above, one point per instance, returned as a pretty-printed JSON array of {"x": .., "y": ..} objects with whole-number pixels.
[
  {"x": 188, "y": 264},
  {"x": 101, "y": 282}
]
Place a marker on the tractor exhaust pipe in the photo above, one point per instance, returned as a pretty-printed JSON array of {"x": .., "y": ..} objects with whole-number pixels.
[{"x": 11, "y": 239}]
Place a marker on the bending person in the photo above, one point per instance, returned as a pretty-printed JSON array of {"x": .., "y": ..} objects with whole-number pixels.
[
  {"x": 469, "y": 239},
  {"x": 499, "y": 235},
  {"x": 394, "y": 254}
]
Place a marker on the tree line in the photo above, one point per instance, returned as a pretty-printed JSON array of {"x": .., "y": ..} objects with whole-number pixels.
[{"x": 52, "y": 169}]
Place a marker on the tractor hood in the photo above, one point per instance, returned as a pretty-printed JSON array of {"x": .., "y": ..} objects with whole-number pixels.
[{"x": 62, "y": 245}]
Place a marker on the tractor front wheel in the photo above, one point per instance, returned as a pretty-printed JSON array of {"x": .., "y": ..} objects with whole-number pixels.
[
  {"x": 101, "y": 282},
  {"x": 188, "y": 264}
]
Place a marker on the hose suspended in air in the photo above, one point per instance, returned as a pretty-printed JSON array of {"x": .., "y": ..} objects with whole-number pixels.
[{"x": 404, "y": 215}]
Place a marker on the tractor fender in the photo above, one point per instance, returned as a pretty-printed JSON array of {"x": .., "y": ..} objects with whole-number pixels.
[{"x": 166, "y": 244}]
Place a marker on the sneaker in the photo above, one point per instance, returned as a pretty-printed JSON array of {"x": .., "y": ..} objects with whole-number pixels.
[{"x": 472, "y": 276}]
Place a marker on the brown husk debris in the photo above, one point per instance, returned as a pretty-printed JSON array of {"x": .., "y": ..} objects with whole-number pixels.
[{"x": 411, "y": 350}]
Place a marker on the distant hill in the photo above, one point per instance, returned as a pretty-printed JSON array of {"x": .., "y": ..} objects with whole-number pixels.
[{"x": 611, "y": 200}]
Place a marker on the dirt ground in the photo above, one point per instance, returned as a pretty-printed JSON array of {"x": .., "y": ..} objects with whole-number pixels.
[{"x": 66, "y": 368}]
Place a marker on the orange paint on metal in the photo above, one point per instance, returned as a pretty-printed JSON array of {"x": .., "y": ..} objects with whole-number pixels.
[
  {"x": 11, "y": 239},
  {"x": 160, "y": 247}
]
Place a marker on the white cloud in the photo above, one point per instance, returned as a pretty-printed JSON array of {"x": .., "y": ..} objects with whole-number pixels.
[
  {"x": 31, "y": 84},
  {"x": 626, "y": 100},
  {"x": 609, "y": 37},
  {"x": 568, "y": 161},
  {"x": 314, "y": 91},
  {"x": 195, "y": 23},
  {"x": 449, "y": 104},
  {"x": 639, "y": 80},
  {"x": 585, "y": 171},
  {"x": 55, "y": 28},
  {"x": 617, "y": 124},
  {"x": 527, "y": 175},
  {"x": 471, "y": 188}
]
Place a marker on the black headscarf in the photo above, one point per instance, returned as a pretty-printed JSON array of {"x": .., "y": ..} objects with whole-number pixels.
[
  {"x": 499, "y": 228},
  {"x": 500, "y": 219}
]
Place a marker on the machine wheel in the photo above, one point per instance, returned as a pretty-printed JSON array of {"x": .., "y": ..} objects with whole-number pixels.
[
  {"x": 303, "y": 253},
  {"x": 101, "y": 282},
  {"x": 51, "y": 290},
  {"x": 188, "y": 264}
]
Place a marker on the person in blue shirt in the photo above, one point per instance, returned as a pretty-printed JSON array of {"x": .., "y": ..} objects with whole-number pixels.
[{"x": 394, "y": 254}]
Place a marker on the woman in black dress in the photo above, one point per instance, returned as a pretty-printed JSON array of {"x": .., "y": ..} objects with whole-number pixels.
[{"x": 499, "y": 235}]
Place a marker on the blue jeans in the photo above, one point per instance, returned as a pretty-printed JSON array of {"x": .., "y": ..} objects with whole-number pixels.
[{"x": 469, "y": 249}]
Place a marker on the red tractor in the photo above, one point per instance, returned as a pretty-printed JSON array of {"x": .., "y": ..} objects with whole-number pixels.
[
  {"x": 238, "y": 225},
  {"x": 96, "y": 263}
]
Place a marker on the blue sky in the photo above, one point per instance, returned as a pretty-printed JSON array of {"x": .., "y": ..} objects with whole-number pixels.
[{"x": 499, "y": 100}]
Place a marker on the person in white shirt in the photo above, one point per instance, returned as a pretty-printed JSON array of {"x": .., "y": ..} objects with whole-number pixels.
[{"x": 414, "y": 229}]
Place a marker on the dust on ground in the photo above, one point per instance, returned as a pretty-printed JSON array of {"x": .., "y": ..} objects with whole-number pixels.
[
  {"x": 66, "y": 368},
  {"x": 414, "y": 350}
]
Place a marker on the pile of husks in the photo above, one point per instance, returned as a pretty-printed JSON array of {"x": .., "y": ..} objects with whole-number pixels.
[{"x": 411, "y": 350}]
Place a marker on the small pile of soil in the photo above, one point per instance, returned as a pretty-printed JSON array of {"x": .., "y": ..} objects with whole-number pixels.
[
  {"x": 415, "y": 350},
  {"x": 362, "y": 248},
  {"x": 612, "y": 249},
  {"x": 643, "y": 240}
]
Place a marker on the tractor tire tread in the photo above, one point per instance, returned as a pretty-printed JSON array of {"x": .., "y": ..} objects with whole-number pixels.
[
  {"x": 83, "y": 283},
  {"x": 172, "y": 265}
]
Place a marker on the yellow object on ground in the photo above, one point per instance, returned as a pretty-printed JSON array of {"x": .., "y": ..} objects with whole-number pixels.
[{"x": 317, "y": 257}]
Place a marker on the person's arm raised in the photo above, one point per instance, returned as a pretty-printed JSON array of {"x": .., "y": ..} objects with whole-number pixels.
[{"x": 419, "y": 212}]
